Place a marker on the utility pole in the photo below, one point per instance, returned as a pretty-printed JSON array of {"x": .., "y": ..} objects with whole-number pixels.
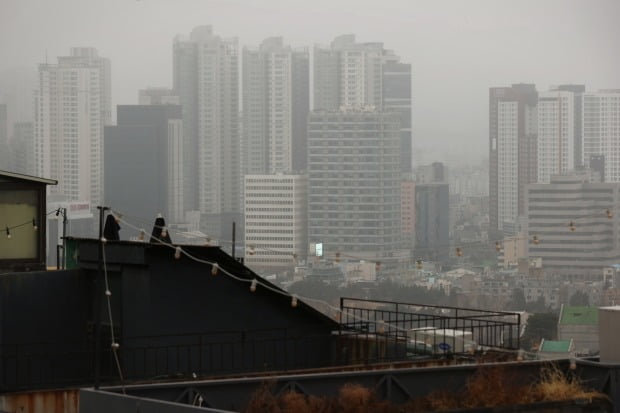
[
  {"x": 64, "y": 238},
  {"x": 233, "y": 239},
  {"x": 98, "y": 297}
]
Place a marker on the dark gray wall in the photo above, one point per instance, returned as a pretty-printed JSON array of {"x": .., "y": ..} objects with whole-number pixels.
[
  {"x": 432, "y": 212},
  {"x": 136, "y": 159}
]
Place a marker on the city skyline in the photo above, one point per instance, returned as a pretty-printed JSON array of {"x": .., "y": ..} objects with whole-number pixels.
[{"x": 456, "y": 50}]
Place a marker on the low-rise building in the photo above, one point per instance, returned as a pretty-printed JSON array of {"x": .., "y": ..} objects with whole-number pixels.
[{"x": 579, "y": 324}]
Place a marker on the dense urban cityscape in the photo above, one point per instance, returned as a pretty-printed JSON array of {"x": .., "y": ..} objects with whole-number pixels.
[{"x": 301, "y": 163}]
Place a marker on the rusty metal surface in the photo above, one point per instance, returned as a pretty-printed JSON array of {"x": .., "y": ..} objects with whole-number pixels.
[{"x": 51, "y": 401}]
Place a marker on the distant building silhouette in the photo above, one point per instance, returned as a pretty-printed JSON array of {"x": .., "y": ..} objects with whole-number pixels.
[
  {"x": 432, "y": 213},
  {"x": 143, "y": 161}
]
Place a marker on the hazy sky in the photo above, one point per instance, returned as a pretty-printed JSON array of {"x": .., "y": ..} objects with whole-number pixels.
[{"x": 458, "y": 48}]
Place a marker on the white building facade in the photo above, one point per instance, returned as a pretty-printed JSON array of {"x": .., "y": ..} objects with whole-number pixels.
[
  {"x": 72, "y": 105},
  {"x": 206, "y": 78},
  {"x": 275, "y": 105},
  {"x": 601, "y": 130},
  {"x": 275, "y": 221},
  {"x": 556, "y": 134}
]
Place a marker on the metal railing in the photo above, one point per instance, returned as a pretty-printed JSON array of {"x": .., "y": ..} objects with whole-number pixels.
[
  {"x": 429, "y": 329},
  {"x": 369, "y": 332}
]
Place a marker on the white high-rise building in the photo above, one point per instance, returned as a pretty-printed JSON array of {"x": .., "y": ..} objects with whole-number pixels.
[
  {"x": 512, "y": 150},
  {"x": 275, "y": 220},
  {"x": 206, "y": 78},
  {"x": 275, "y": 106},
  {"x": 601, "y": 130},
  {"x": 72, "y": 105},
  {"x": 358, "y": 75},
  {"x": 556, "y": 134}
]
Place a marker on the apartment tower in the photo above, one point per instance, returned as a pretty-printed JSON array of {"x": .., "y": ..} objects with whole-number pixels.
[
  {"x": 275, "y": 106},
  {"x": 72, "y": 105},
  {"x": 512, "y": 150},
  {"x": 206, "y": 79}
]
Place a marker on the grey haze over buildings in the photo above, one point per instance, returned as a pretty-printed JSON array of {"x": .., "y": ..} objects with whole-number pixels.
[{"x": 457, "y": 49}]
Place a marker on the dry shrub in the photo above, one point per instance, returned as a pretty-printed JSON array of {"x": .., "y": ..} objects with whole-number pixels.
[
  {"x": 295, "y": 402},
  {"x": 437, "y": 401},
  {"x": 494, "y": 386},
  {"x": 555, "y": 385},
  {"x": 488, "y": 387},
  {"x": 355, "y": 398},
  {"x": 263, "y": 401}
]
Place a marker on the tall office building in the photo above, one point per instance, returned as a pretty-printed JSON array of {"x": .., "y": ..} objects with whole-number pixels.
[
  {"x": 143, "y": 162},
  {"x": 354, "y": 182},
  {"x": 351, "y": 74},
  {"x": 556, "y": 134},
  {"x": 72, "y": 105},
  {"x": 512, "y": 150},
  {"x": 575, "y": 235},
  {"x": 432, "y": 213},
  {"x": 275, "y": 106},
  {"x": 397, "y": 97},
  {"x": 601, "y": 131},
  {"x": 206, "y": 78},
  {"x": 275, "y": 221}
]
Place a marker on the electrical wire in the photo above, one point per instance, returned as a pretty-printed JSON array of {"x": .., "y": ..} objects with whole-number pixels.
[
  {"x": 476, "y": 246},
  {"x": 31, "y": 221},
  {"x": 257, "y": 281},
  {"x": 114, "y": 345}
]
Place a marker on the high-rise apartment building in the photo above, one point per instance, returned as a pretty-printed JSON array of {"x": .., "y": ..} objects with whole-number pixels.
[
  {"x": 143, "y": 162},
  {"x": 556, "y": 134},
  {"x": 206, "y": 78},
  {"x": 601, "y": 131},
  {"x": 351, "y": 74},
  {"x": 72, "y": 105},
  {"x": 354, "y": 182},
  {"x": 512, "y": 150},
  {"x": 275, "y": 106},
  {"x": 275, "y": 221},
  {"x": 573, "y": 225},
  {"x": 578, "y": 91}
]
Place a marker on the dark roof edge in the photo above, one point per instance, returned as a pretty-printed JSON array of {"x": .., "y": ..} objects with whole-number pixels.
[{"x": 28, "y": 177}]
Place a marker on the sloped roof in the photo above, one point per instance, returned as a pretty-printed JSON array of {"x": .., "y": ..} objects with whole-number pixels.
[
  {"x": 30, "y": 178},
  {"x": 556, "y": 346},
  {"x": 580, "y": 315}
]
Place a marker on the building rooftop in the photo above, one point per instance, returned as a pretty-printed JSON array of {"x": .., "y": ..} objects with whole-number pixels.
[
  {"x": 556, "y": 346},
  {"x": 579, "y": 315}
]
